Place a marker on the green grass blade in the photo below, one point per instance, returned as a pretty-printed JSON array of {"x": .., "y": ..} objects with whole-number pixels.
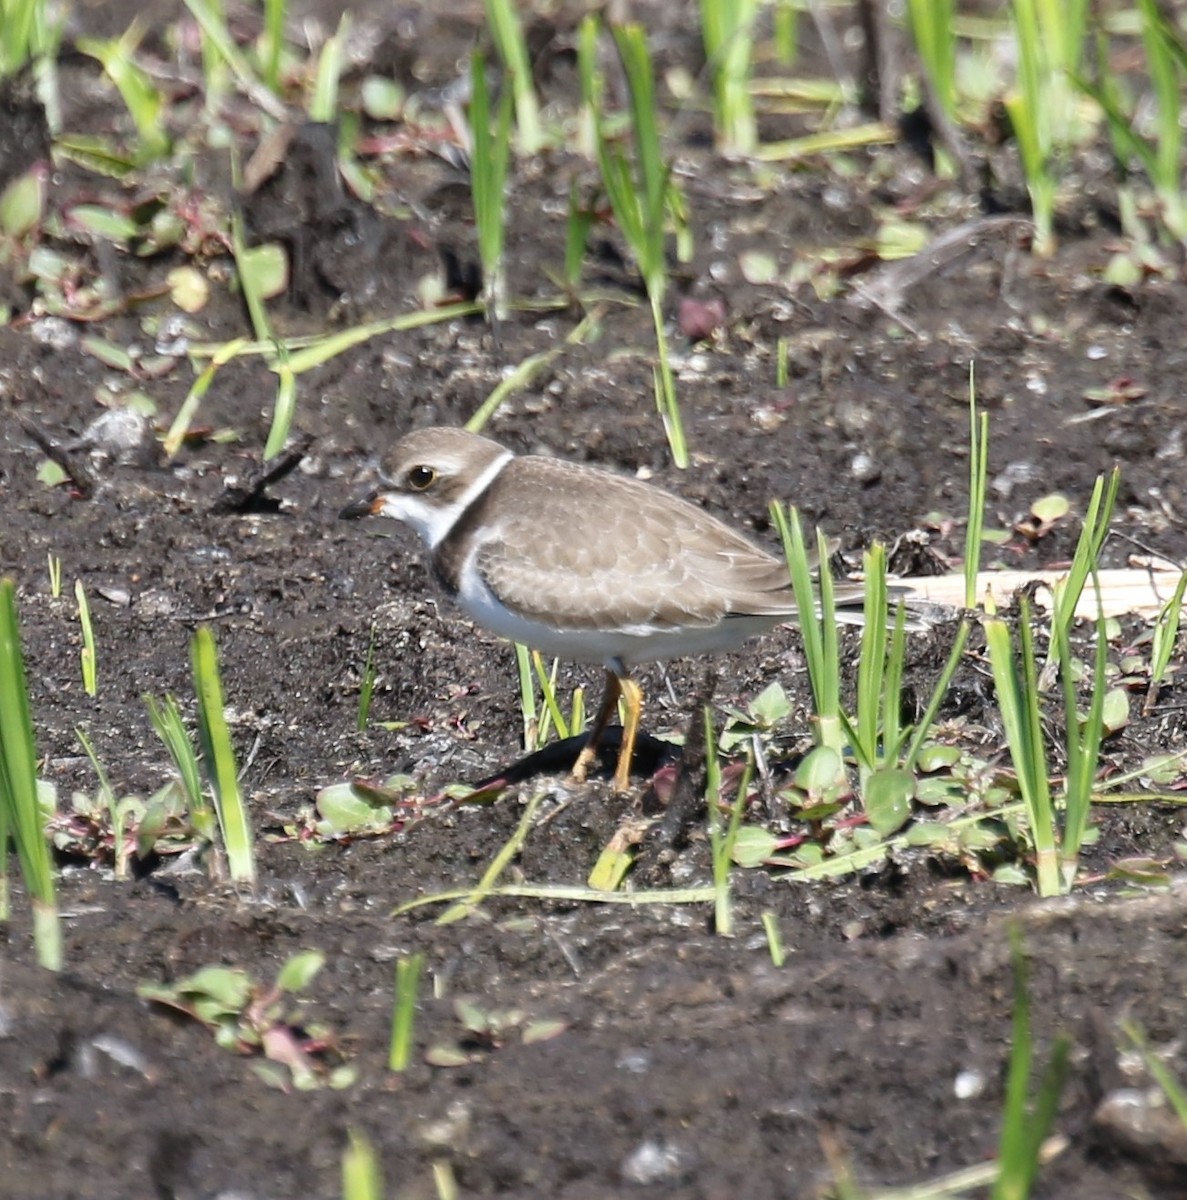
[
  {"x": 1025, "y": 1126},
  {"x": 324, "y": 105},
  {"x": 488, "y": 179},
  {"x": 978, "y": 481},
  {"x": 219, "y": 758},
  {"x": 408, "y": 972},
  {"x": 1016, "y": 684},
  {"x": 1083, "y": 744},
  {"x": 88, "y": 655},
  {"x": 361, "y": 1176},
  {"x": 367, "y": 686},
  {"x": 507, "y": 31},
  {"x": 18, "y": 786},
  {"x": 273, "y": 42},
  {"x": 1086, "y": 559},
  {"x": 871, "y": 666},
  {"x": 817, "y": 621}
]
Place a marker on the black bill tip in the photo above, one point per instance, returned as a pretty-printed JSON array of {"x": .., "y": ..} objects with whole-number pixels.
[{"x": 365, "y": 507}]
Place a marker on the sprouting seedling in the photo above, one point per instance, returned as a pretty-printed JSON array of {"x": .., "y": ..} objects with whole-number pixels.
[
  {"x": 577, "y": 227},
  {"x": 367, "y": 686},
  {"x": 166, "y": 720},
  {"x": 253, "y": 1018},
  {"x": 88, "y": 655},
  {"x": 775, "y": 947},
  {"x": 54, "y": 566},
  {"x": 1159, "y": 156},
  {"x": 117, "y": 810},
  {"x": 32, "y": 30},
  {"x": 272, "y": 42}
]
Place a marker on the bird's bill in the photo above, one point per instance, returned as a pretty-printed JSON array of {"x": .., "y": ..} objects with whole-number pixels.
[{"x": 366, "y": 506}]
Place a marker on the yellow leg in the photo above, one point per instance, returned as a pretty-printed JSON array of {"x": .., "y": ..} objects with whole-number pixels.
[
  {"x": 632, "y": 693},
  {"x": 589, "y": 751}
]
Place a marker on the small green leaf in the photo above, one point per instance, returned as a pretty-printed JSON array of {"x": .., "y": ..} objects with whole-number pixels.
[
  {"x": 188, "y": 289},
  {"x": 543, "y": 1031},
  {"x": 758, "y": 267},
  {"x": 22, "y": 203},
  {"x": 298, "y": 973},
  {"x": 935, "y": 757},
  {"x": 446, "y": 1056},
  {"x": 383, "y": 99},
  {"x": 1115, "y": 712},
  {"x": 820, "y": 770},
  {"x": 771, "y": 705},
  {"x": 103, "y": 223},
  {"x": 345, "y": 809},
  {"x": 938, "y": 789},
  {"x": 227, "y": 985},
  {"x": 753, "y": 845},
  {"x": 265, "y": 269},
  {"x": 51, "y": 474},
  {"x": 1011, "y": 874},
  {"x": 473, "y": 1018},
  {"x": 1148, "y": 872},
  {"x": 110, "y": 355},
  {"x": 887, "y": 799},
  {"x": 611, "y": 868},
  {"x": 929, "y": 833},
  {"x": 1051, "y": 508}
]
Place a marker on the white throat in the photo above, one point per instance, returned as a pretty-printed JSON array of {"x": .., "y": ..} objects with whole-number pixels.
[{"x": 432, "y": 519}]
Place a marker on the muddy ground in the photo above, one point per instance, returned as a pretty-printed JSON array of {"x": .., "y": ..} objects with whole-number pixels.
[{"x": 687, "y": 1064}]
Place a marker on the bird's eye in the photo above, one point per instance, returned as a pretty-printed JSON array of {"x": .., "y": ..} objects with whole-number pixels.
[{"x": 420, "y": 478}]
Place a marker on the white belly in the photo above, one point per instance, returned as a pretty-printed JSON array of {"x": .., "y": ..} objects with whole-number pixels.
[{"x": 626, "y": 646}]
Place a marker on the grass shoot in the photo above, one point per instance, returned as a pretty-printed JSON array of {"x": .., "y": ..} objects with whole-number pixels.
[
  {"x": 20, "y": 813},
  {"x": 490, "y": 154},
  {"x": 218, "y": 759},
  {"x": 367, "y": 684},
  {"x": 408, "y": 972},
  {"x": 166, "y": 720},
  {"x": 727, "y": 27},
  {"x": 1026, "y": 1121},
  {"x": 507, "y": 30},
  {"x": 638, "y": 192},
  {"x": 362, "y": 1178},
  {"x": 88, "y": 655}
]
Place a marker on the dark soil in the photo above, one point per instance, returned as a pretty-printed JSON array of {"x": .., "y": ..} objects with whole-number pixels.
[{"x": 688, "y": 1066}]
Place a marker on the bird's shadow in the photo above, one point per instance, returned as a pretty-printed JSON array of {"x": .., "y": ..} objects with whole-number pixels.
[{"x": 651, "y": 755}]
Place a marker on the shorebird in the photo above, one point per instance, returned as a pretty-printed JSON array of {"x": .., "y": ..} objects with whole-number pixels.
[{"x": 580, "y": 563}]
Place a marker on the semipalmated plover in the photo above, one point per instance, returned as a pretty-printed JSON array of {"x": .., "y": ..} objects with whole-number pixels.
[{"x": 580, "y": 563}]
